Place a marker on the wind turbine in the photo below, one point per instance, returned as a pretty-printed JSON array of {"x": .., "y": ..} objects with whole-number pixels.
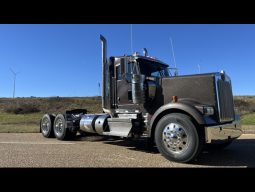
[
  {"x": 14, "y": 78},
  {"x": 199, "y": 68}
]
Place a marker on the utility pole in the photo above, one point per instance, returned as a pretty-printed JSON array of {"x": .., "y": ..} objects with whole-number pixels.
[{"x": 14, "y": 83}]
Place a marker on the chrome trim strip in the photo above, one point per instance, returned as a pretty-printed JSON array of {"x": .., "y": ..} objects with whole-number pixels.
[{"x": 217, "y": 76}]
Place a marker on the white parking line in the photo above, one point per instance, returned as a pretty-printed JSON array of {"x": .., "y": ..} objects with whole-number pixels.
[{"x": 33, "y": 143}]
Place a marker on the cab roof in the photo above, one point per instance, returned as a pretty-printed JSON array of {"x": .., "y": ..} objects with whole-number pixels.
[{"x": 148, "y": 58}]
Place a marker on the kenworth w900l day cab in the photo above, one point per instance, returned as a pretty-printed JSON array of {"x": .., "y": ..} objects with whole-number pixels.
[{"x": 140, "y": 98}]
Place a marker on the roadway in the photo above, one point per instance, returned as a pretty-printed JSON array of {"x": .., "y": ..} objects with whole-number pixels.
[{"x": 33, "y": 150}]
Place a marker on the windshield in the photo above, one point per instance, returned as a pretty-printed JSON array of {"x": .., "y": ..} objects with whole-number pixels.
[{"x": 153, "y": 69}]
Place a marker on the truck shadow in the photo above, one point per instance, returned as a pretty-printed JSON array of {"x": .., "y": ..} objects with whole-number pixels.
[
  {"x": 131, "y": 144},
  {"x": 136, "y": 145},
  {"x": 240, "y": 153}
]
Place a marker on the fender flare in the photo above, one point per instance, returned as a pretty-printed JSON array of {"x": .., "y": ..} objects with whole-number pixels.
[{"x": 175, "y": 107}]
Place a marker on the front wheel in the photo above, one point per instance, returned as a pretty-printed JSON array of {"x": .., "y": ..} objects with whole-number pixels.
[{"x": 177, "y": 138}]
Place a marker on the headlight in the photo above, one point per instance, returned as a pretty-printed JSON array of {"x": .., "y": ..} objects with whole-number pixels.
[{"x": 208, "y": 110}]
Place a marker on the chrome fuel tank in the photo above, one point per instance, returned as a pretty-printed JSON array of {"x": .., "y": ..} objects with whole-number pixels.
[
  {"x": 87, "y": 123},
  {"x": 94, "y": 123}
]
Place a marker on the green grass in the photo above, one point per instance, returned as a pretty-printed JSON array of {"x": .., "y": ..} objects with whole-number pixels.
[
  {"x": 248, "y": 119},
  {"x": 21, "y": 123},
  {"x": 13, "y": 123},
  {"x": 21, "y": 128}
]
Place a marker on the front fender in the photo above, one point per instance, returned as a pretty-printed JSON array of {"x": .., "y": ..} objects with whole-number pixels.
[{"x": 175, "y": 107}]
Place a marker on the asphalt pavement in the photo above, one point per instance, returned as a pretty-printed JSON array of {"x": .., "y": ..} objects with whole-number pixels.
[{"x": 33, "y": 150}]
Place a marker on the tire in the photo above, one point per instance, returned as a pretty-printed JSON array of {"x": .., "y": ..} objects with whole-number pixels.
[
  {"x": 46, "y": 125},
  {"x": 177, "y": 138},
  {"x": 60, "y": 130},
  {"x": 219, "y": 146}
]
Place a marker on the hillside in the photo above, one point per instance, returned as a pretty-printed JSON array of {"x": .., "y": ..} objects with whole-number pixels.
[{"x": 23, "y": 114}]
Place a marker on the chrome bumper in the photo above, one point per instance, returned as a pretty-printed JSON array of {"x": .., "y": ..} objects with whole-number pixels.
[{"x": 223, "y": 133}]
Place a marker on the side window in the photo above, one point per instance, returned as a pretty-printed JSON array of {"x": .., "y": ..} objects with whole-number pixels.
[
  {"x": 118, "y": 72},
  {"x": 135, "y": 68},
  {"x": 129, "y": 67},
  {"x": 129, "y": 71},
  {"x": 132, "y": 68},
  {"x": 155, "y": 74}
]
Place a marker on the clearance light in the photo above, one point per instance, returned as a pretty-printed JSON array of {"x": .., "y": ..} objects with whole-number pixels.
[{"x": 174, "y": 99}]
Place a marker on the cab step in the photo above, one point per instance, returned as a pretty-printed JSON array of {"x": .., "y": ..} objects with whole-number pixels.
[{"x": 119, "y": 127}]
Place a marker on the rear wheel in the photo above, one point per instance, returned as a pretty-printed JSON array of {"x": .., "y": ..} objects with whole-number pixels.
[
  {"x": 60, "y": 130},
  {"x": 46, "y": 125},
  {"x": 177, "y": 138}
]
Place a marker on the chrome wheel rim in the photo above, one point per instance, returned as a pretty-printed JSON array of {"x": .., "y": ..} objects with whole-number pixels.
[
  {"x": 45, "y": 126},
  {"x": 175, "y": 138},
  {"x": 59, "y": 126}
]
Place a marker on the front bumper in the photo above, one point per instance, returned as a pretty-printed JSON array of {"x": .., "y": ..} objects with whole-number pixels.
[{"x": 223, "y": 133}]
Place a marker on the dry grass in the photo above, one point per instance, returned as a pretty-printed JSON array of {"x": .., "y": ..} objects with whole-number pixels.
[
  {"x": 51, "y": 104},
  {"x": 245, "y": 104},
  {"x": 24, "y": 114}
]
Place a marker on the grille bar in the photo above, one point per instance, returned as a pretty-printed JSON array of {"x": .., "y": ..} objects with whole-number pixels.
[{"x": 225, "y": 99}]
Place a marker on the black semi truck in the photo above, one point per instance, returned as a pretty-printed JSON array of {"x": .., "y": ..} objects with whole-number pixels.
[{"x": 140, "y": 98}]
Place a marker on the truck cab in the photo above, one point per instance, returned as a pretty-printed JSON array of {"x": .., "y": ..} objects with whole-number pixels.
[{"x": 135, "y": 69}]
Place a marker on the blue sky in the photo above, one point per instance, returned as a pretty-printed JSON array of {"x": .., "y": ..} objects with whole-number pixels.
[{"x": 65, "y": 60}]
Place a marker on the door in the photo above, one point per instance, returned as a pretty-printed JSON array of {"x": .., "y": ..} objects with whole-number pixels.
[
  {"x": 124, "y": 70},
  {"x": 123, "y": 86}
]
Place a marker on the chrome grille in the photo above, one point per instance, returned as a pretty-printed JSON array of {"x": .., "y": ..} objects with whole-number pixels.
[{"x": 225, "y": 100}]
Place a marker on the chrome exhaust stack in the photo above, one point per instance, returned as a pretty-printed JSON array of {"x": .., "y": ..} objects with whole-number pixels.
[
  {"x": 104, "y": 61},
  {"x": 105, "y": 77}
]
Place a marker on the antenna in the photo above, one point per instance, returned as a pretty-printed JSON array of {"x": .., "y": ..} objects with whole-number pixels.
[
  {"x": 172, "y": 51},
  {"x": 14, "y": 84},
  {"x": 131, "y": 38},
  {"x": 171, "y": 41}
]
